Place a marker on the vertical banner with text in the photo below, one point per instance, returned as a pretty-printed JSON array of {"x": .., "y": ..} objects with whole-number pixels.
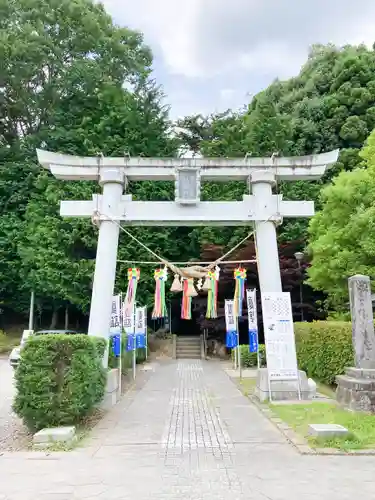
[
  {"x": 128, "y": 325},
  {"x": 231, "y": 325},
  {"x": 140, "y": 327},
  {"x": 252, "y": 320},
  {"x": 116, "y": 312}
]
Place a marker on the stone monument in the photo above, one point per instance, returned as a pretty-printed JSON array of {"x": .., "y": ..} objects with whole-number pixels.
[{"x": 356, "y": 389}]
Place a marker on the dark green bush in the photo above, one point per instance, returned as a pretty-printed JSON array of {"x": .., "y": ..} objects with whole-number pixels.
[
  {"x": 249, "y": 359},
  {"x": 324, "y": 348},
  {"x": 127, "y": 357},
  {"x": 60, "y": 379}
]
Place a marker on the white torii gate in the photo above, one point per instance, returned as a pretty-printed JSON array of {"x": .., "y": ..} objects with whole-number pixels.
[{"x": 262, "y": 207}]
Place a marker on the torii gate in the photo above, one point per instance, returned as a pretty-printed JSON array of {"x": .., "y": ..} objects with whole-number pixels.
[{"x": 262, "y": 207}]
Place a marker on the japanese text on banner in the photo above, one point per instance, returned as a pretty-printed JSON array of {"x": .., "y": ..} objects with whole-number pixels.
[
  {"x": 128, "y": 318},
  {"x": 115, "y": 312},
  {"x": 252, "y": 320},
  {"x": 140, "y": 320},
  {"x": 230, "y": 319}
]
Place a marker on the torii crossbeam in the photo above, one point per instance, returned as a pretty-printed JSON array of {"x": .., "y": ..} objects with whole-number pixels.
[{"x": 261, "y": 207}]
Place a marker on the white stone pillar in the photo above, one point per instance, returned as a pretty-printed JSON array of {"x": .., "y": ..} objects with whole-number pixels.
[
  {"x": 262, "y": 182},
  {"x": 106, "y": 256}
]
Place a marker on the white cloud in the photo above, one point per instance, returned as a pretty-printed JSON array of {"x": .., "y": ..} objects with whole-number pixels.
[
  {"x": 204, "y": 38},
  {"x": 211, "y": 54},
  {"x": 227, "y": 94}
]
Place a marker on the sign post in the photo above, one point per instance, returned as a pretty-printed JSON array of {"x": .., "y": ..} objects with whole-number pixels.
[
  {"x": 231, "y": 327},
  {"x": 279, "y": 339}
]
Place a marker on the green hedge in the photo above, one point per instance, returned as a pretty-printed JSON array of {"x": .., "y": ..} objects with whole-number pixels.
[
  {"x": 249, "y": 359},
  {"x": 60, "y": 379},
  {"x": 127, "y": 357},
  {"x": 324, "y": 349}
]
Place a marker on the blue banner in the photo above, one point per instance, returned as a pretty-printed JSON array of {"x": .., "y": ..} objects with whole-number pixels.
[
  {"x": 231, "y": 340},
  {"x": 116, "y": 345},
  {"x": 130, "y": 343},
  {"x": 140, "y": 340},
  {"x": 253, "y": 341}
]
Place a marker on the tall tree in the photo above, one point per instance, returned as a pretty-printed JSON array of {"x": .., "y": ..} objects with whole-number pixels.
[
  {"x": 66, "y": 67},
  {"x": 341, "y": 237}
]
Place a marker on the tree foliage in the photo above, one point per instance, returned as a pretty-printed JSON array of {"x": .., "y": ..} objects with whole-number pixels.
[
  {"x": 341, "y": 234},
  {"x": 74, "y": 82}
]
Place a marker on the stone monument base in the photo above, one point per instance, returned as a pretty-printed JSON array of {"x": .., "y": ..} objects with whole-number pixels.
[
  {"x": 111, "y": 396},
  {"x": 281, "y": 390},
  {"x": 356, "y": 389}
]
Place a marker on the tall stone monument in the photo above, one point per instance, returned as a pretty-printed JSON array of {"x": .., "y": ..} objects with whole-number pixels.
[{"x": 356, "y": 389}]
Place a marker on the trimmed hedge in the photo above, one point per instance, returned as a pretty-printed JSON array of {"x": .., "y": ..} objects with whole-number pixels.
[
  {"x": 127, "y": 357},
  {"x": 249, "y": 359},
  {"x": 324, "y": 349},
  {"x": 60, "y": 379}
]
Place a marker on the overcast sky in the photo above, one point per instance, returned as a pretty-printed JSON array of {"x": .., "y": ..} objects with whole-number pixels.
[{"x": 212, "y": 54}]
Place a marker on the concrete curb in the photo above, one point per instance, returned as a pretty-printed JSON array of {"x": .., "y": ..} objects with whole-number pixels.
[{"x": 298, "y": 442}]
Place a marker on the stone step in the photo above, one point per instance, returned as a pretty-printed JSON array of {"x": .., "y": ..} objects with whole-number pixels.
[
  {"x": 188, "y": 356},
  {"x": 360, "y": 373},
  {"x": 188, "y": 342},
  {"x": 356, "y": 384},
  {"x": 192, "y": 344},
  {"x": 187, "y": 351}
]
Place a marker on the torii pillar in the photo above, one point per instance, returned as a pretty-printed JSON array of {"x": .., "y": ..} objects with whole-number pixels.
[
  {"x": 112, "y": 208},
  {"x": 112, "y": 182},
  {"x": 265, "y": 237}
]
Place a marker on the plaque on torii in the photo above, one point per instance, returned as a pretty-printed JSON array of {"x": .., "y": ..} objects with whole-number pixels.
[{"x": 262, "y": 207}]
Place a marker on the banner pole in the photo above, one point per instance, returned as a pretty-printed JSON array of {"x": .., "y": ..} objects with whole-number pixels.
[
  {"x": 239, "y": 348},
  {"x": 146, "y": 333},
  {"x": 134, "y": 346},
  {"x": 120, "y": 358}
]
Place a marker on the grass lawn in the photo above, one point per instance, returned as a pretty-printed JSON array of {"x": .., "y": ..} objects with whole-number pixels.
[
  {"x": 247, "y": 386},
  {"x": 7, "y": 342},
  {"x": 361, "y": 425},
  {"x": 326, "y": 390}
]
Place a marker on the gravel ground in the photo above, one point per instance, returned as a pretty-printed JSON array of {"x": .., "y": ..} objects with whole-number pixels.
[{"x": 13, "y": 435}]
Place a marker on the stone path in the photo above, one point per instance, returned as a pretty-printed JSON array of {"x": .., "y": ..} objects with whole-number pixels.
[{"x": 187, "y": 433}]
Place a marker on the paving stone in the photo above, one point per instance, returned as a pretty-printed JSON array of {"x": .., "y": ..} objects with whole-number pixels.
[
  {"x": 185, "y": 432},
  {"x": 327, "y": 431},
  {"x": 46, "y": 437}
]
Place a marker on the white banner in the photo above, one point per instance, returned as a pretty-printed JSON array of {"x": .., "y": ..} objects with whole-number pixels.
[
  {"x": 230, "y": 319},
  {"x": 116, "y": 312},
  {"x": 128, "y": 318},
  {"x": 252, "y": 309},
  {"x": 279, "y": 336},
  {"x": 140, "y": 320}
]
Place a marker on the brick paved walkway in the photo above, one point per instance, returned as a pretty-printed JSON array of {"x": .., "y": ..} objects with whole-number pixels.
[{"x": 187, "y": 434}]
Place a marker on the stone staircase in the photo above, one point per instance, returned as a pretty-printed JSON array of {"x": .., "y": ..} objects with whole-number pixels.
[{"x": 188, "y": 347}]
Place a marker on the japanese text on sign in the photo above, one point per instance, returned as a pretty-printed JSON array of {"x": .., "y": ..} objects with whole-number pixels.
[{"x": 279, "y": 336}]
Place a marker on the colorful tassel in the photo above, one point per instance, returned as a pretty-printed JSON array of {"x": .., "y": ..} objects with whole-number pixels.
[
  {"x": 239, "y": 293},
  {"x": 186, "y": 301},
  {"x": 133, "y": 278},
  {"x": 160, "y": 308},
  {"x": 191, "y": 291},
  {"x": 212, "y": 282}
]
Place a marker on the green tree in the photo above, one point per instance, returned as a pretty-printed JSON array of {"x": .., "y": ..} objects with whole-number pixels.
[
  {"x": 73, "y": 82},
  {"x": 341, "y": 234}
]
